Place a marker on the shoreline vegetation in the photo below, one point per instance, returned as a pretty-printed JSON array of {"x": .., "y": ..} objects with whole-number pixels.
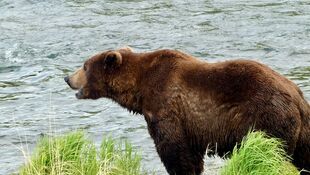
[
  {"x": 74, "y": 154},
  {"x": 259, "y": 154}
]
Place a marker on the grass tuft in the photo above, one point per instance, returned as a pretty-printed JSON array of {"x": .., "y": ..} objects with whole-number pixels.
[
  {"x": 259, "y": 154},
  {"x": 119, "y": 158},
  {"x": 74, "y": 154}
]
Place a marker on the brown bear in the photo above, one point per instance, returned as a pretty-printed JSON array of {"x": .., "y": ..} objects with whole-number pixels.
[{"x": 190, "y": 104}]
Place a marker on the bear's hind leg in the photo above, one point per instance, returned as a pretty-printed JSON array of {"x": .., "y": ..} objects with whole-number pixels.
[{"x": 301, "y": 157}]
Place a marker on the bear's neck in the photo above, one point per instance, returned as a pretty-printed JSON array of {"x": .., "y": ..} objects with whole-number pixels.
[{"x": 130, "y": 100}]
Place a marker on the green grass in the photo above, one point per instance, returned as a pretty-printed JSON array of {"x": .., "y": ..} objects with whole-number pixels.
[
  {"x": 259, "y": 154},
  {"x": 74, "y": 154}
]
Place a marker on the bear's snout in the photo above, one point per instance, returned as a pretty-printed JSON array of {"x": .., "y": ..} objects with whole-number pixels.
[
  {"x": 77, "y": 80},
  {"x": 66, "y": 79}
]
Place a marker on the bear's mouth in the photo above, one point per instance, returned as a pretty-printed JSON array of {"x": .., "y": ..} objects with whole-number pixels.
[{"x": 79, "y": 94}]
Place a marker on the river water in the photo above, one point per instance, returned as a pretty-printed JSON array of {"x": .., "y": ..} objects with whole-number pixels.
[{"x": 42, "y": 41}]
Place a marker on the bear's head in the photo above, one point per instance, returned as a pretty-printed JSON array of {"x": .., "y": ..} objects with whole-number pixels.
[{"x": 112, "y": 74}]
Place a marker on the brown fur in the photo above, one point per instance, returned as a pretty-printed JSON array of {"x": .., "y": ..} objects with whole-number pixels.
[{"x": 190, "y": 105}]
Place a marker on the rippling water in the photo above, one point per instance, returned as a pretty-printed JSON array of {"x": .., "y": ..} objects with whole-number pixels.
[{"x": 42, "y": 41}]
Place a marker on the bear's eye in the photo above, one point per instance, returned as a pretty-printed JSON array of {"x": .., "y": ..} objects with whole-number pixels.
[{"x": 84, "y": 67}]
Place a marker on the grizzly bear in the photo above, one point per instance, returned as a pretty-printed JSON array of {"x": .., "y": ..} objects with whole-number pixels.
[{"x": 190, "y": 104}]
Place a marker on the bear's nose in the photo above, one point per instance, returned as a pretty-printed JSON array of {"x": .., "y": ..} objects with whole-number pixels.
[{"x": 66, "y": 79}]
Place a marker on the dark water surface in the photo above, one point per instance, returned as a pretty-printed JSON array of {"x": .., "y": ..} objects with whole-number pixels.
[{"x": 42, "y": 41}]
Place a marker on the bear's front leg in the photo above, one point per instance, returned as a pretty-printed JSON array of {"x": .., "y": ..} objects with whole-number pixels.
[{"x": 172, "y": 147}]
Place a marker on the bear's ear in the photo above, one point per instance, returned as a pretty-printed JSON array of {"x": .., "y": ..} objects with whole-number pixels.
[
  {"x": 112, "y": 58},
  {"x": 127, "y": 48}
]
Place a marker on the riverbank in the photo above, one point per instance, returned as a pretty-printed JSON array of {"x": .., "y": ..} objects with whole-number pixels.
[{"x": 74, "y": 153}]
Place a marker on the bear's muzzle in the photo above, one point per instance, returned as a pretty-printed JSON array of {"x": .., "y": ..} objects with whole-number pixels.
[{"x": 79, "y": 94}]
